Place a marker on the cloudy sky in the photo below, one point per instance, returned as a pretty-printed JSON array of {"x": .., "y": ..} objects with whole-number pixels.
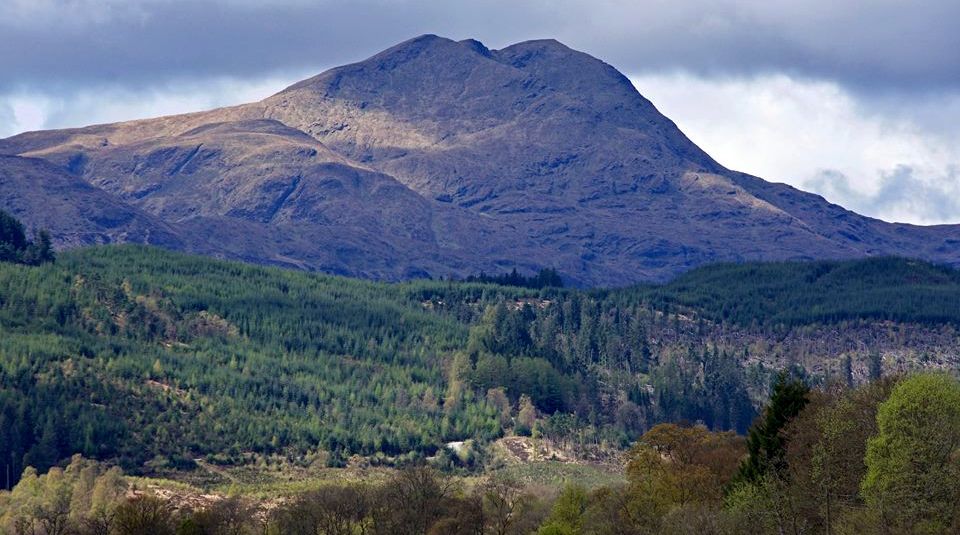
[{"x": 857, "y": 101}]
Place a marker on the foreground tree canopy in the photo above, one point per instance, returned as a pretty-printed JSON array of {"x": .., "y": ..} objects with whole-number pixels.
[{"x": 913, "y": 463}]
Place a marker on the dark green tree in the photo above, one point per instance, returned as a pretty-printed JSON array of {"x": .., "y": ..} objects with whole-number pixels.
[
  {"x": 13, "y": 239},
  {"x": 766, "y": 445},
  {"x": 14, "y": 246}
]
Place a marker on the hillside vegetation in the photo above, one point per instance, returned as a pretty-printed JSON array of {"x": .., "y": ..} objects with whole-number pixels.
[
  {"x": 881, "y": 458},
  {"x": 153, "y": 359},
  {"x": 802, "y": 293}
]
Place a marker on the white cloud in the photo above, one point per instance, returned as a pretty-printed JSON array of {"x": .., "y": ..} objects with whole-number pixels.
[
  {"x": 901, "y": 195},
  {"x": 32, "y": 111},
  {"x": 818, "y": 136},
  {"x": 8, "y": 120}
]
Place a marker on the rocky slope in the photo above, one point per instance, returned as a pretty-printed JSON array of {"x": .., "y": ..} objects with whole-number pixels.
[{"x": 440, "y": 158}]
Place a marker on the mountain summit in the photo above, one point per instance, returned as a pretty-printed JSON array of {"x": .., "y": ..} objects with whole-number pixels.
[{"x": 436, "y": 158}]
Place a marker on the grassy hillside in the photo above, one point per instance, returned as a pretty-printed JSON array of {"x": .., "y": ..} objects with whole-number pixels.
[{"x": 152, "y": 359}]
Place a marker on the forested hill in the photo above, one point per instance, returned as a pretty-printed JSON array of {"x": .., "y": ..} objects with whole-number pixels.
[
  {"x": 803, "y": 293},
  {"x": 152, "y": 359}
]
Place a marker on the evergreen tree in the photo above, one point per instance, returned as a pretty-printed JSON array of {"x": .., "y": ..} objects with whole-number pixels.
[
  {"x": 14, "y": 246},
  {"x": 765, "y": 442},
  {"x": 13, "y": 239}
]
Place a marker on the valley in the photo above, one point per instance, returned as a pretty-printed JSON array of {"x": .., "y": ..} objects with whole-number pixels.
[{"x": 456, "y": 290}]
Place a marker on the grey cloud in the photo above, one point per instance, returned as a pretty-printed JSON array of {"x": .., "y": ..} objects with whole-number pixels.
[
  {"x": 880, "y": 45},
  {"x": 901, "y": 191}
]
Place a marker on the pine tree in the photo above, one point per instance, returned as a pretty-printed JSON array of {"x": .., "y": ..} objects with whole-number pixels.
[
  {"x": 45, "y": 247},
  {"x": 14, "y": 246},
  {"x": 765, "y": 443},
  {"x": 46, "y": 452},
  {"x": 13, "y": 239}
]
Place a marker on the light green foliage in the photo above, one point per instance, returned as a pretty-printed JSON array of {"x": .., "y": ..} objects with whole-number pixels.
[
  {"x": 752, "y": 504},
  {"x": 566, "y": 517},
  {"x": 827, "y": 458},
  {"x": 85, "y": 492},
  {"x": 913, "y": 464}
]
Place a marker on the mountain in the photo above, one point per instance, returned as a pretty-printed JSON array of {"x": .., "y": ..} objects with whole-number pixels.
[
  {"x": 438, "y": 158},
  {"x": 81, "y": 214}
]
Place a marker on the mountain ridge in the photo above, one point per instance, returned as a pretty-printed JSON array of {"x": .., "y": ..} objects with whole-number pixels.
[{"x": 446, "y": 158}]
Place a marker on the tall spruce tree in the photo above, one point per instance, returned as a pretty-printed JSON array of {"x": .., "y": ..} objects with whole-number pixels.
[
  {"x": 13, "y": 239},
  {"x": 765, "y": 443}
]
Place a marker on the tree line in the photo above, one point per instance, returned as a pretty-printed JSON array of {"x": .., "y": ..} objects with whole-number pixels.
[{"x": 545, "y": 278}]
